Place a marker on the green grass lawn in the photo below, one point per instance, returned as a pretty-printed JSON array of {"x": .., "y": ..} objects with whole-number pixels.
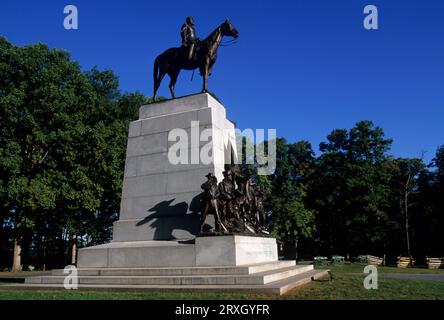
[
  {"x": 348, "y": 268},
  {"x": 102, "y": 295},
  {"x": 348, "y": 285}
]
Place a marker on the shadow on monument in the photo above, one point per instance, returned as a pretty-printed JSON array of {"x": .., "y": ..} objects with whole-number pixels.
[
  {"x": 169, "y": 220},
  {"x": 166, "y": 218}
]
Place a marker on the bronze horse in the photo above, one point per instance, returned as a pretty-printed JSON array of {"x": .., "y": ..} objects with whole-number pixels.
[{"x": 172, "y": 60}]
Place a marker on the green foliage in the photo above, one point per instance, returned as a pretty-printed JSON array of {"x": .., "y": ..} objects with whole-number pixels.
[
  {"x": 438, "y": 161},
  {"x": 351, "y": 189},
  {"x": 291, "y": 219},
  {"x": 62, "y": 145}
]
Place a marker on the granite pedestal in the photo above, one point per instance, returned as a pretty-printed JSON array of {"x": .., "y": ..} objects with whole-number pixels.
[{"x": 160, "y": 199}]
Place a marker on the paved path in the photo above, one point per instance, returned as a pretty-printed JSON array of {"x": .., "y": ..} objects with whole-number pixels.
[{"x": 410, "y": 276}]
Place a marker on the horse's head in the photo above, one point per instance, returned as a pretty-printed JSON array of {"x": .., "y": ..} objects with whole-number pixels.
[{"x": 229, "y": 30}]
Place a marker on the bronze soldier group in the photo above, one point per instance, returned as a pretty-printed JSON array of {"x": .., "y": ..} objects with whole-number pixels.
[{"x": 236, "y": 203}]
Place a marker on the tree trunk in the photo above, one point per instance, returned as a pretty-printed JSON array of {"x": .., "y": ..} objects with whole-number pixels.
[
  {"x": 296, "y": 250},
  {"x": 406, "y": 208},
  {"x": 17, "y": 257},
  {"x": 74, "y": 249}
]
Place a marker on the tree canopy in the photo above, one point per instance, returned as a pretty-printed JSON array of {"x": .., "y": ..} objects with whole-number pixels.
[{"x": 62, "y": 148}]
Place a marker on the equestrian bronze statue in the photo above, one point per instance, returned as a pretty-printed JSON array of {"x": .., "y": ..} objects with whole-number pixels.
[{"x": 193, "y": 54}]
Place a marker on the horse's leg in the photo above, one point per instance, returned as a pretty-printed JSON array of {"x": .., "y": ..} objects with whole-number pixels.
[
  {"x": 205, "y": 75},
  {"x": 204, "y": 88},
  {"x": 157, "y": 84},
  {"x": 173, "y": 76}
]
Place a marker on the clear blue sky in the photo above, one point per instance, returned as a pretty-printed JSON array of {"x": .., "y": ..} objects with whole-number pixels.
[{"x": 303, "y": 67}]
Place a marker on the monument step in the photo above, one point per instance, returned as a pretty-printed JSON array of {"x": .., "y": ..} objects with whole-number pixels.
[
  {"x": 282, "y": 286},
  {"x": 277, "y": 287},
  {"x": 211, "y": 251},
  {"x": 225, "y": 279},
  {"x": 169, "y": 271}
]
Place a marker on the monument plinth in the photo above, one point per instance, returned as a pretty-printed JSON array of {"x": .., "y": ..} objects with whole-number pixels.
[
  {"x": 160, "y": 199},
  {"x": 161, "y": 205}
]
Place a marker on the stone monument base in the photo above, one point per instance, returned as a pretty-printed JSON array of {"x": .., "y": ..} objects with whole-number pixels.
[
  {"x": 233, "y": 263},
  {"x": 234, "y": 250},
  {"x": 230, "y": 250}
]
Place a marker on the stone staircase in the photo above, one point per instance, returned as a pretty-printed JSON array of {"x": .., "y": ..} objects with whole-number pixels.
[{"x": 273, "y": 277}]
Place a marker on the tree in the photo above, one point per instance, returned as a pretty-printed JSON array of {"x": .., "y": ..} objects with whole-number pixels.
[
  {"x": 62, "y": 150},
  {"x": 351, "y": 190},
  {"x": 435, "y": 200},
  {"x": 407, "y": 176},
  {"x": 44, "y": 96},
  {"x": 291, "y": 219}
]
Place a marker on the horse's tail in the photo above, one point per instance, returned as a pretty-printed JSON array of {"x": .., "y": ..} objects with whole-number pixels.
[{"x": 156, "y": 76}]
